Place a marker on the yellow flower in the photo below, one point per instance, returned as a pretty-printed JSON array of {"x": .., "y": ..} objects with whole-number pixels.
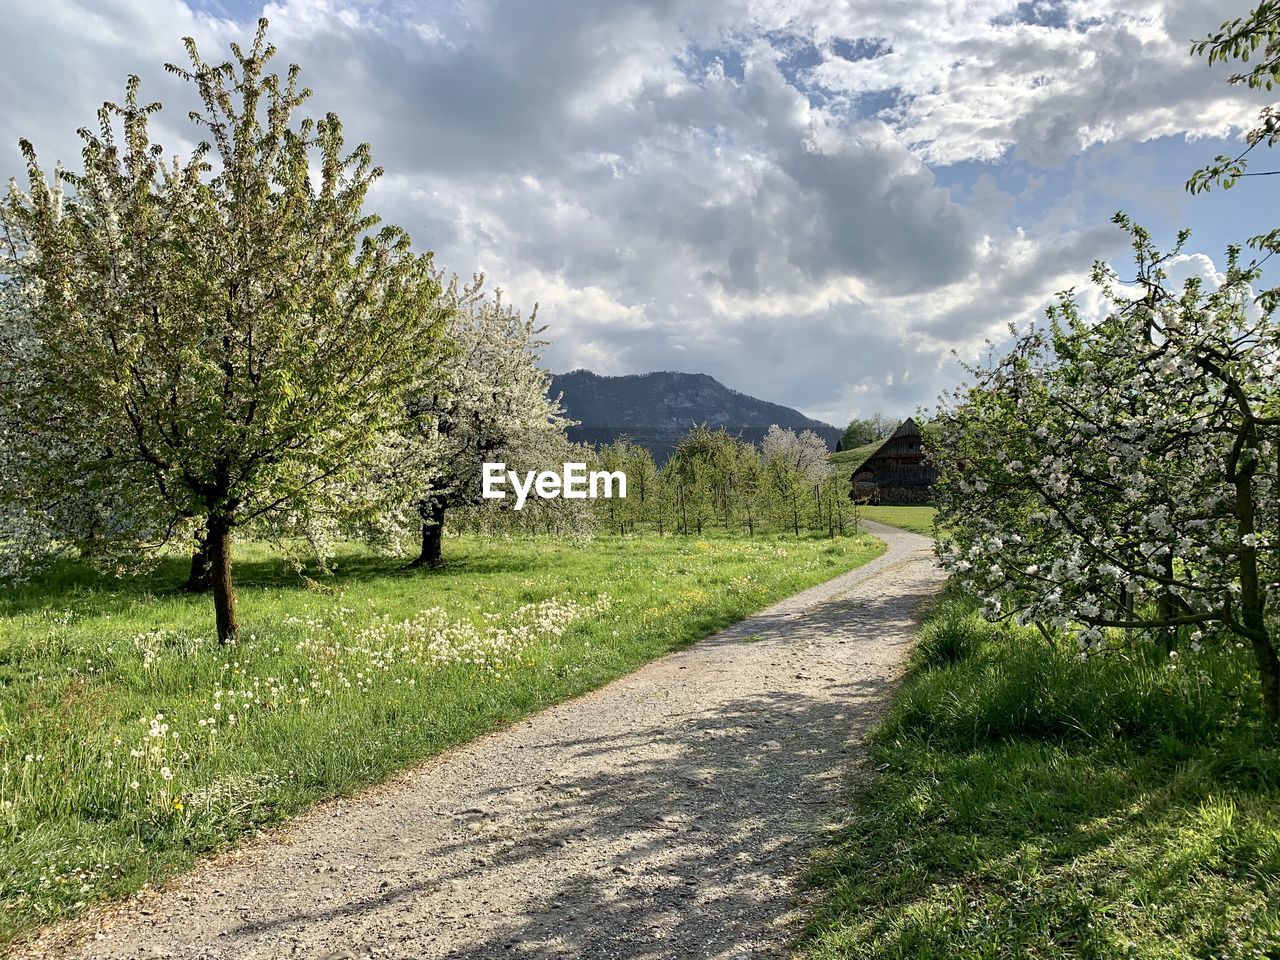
[{"x": 177, "y": 804}]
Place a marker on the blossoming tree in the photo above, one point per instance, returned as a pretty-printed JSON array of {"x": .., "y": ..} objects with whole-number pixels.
[
  {"x": 206, "y": 344},
  {"x": 1122, "y": 473},
  {"x": 796, "y": 464},
  {"x": 490, "y": 404}
]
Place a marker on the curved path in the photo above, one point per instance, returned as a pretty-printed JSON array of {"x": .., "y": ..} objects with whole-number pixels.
[{"x": 665, "y": 815}]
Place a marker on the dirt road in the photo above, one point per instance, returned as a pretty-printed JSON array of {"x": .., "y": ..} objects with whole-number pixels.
[{"x": 663, "y": 816}]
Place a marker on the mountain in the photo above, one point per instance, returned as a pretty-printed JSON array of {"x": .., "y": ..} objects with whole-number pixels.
[{"x": 656, "y": 409}]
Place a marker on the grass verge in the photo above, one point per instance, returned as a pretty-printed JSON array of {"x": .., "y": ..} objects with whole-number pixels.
[
  {"x": 131, "y": 743},
  {"x": 916, "y": 519},
  {"x": 1027, "y": 804}
]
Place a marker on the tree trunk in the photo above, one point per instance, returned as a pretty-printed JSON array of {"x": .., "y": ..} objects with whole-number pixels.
[
  {"x": 432, "y": 554},
  {"x": 1264, "y": 652},
  {"x": 1167, "y": 609},
  {"x": 1127, "y": 605},
  {"x": 1253, "y": 597},
  {"x": 198, "y": 580},
  {"x": 218, "y": 544}
]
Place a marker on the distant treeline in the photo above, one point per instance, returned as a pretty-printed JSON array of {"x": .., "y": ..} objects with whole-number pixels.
[{"x": 714, "y": 482}]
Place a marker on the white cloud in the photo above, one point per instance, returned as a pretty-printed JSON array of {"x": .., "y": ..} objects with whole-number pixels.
[
  {"x": 699, "y": 186},
  {"x": 976, "y": 80}
]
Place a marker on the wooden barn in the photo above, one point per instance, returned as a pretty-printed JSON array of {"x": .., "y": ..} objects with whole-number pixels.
[{"x": 898, "y": 473}]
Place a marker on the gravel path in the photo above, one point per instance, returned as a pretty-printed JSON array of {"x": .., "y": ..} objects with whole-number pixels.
[{"x": 663, "y": 816}]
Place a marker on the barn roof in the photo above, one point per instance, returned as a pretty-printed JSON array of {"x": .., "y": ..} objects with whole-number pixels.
[{"x": 908, "y": 428}]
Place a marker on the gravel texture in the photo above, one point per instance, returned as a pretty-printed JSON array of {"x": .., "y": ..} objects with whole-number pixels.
[{"x": 666, "y": 815}]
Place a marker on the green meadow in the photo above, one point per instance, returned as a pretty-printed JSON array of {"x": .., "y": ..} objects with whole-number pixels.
[
  {"x": 1021, "y": 802},
  {"x": 916, "y": 519}
]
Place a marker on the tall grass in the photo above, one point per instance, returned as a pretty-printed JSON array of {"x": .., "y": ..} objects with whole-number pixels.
[{"x": 1029, "y": 803}]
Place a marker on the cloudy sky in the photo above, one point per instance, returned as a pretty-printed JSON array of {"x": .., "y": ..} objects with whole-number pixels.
[{"x": 815, "y": 202}]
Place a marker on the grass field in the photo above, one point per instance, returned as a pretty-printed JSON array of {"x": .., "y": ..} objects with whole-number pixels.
[
  {"x": 130, "y": 743},
  {"x": 1023, "y": 803},
  {"x": 917, "y": 519}
]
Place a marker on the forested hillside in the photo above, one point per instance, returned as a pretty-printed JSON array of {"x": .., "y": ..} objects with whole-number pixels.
[{"x": 656, "y": 409}]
